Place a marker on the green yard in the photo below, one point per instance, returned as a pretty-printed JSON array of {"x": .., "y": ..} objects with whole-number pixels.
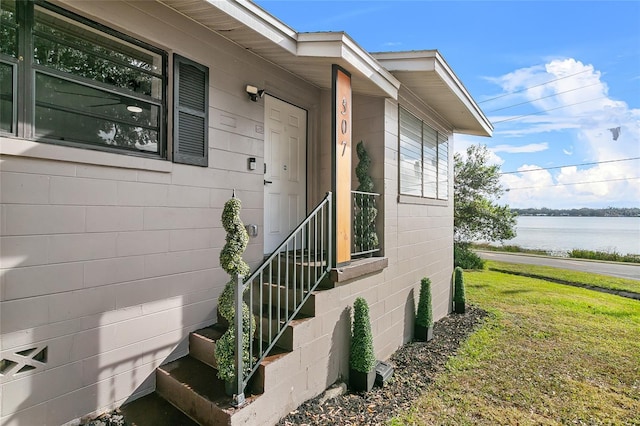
[
  {"x": 570, "y": 276},
  {"x": 547, "y": 354}
]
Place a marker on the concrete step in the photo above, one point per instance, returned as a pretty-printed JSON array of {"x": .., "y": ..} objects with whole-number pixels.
[
  {"x": 195, "y": 389},
  {"x": 283, "y": 296},
  {"x": 291, "y": 337},
  {"x": 153, "y": 410},
  {"x": 294, "y": 270},
  {"x": 202, "y": 343},
  {"x": 202, "y": 346}
]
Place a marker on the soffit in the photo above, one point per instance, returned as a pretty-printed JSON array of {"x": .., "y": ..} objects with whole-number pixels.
[
  {"x": 427, "y": 75},
  {"x": 307, "y": 55}
]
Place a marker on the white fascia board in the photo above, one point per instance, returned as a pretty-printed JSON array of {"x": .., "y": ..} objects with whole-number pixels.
[
  {"x": 256, "y": 18},
  {"x": 447, "y": 75},
  {"x": 418, "y": 60},
  {"x": 432, "y": 61},
  {"x": 339, "y": 46}
]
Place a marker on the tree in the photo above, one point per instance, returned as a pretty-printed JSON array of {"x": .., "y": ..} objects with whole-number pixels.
[
  {"x": 476, "y": 215},
  {"x": 476, "y": 185}
]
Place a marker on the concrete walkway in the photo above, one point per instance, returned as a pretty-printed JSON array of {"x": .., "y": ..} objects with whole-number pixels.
[{"x": 614, "y": 269}]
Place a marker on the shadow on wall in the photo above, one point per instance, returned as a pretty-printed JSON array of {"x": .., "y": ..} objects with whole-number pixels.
[
  {"x": 410, "y": 315},
  {"x": 77, "y": 364},
  {"x": 77, "y": 337},
  {"x": 339, "y": 350}
]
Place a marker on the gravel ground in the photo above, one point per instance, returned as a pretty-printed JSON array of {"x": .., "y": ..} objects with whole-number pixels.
[{"x": 415, "y": 367}]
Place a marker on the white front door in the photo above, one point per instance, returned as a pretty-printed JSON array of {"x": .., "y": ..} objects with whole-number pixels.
[{"x": 285, "y": 153}]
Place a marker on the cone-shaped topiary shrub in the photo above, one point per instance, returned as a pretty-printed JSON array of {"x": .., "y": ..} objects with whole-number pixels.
[
  {"x": 365, "y": 237},
  {"x": 231, "y": 261},
  {"x": 362, "y": 360},
  {"x": 458, "y": 293},
  {"x": 424, "y": 318}
]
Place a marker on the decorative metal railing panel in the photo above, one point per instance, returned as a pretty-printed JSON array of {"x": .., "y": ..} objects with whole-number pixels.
[
  {"x": 365, "y": 236},
  {"x": 278, "y": 289}
]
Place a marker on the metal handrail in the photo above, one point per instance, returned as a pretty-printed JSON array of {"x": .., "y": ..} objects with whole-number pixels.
[
  {"x": 297, "y": 266},
  {"x": 365, "y": 238}
]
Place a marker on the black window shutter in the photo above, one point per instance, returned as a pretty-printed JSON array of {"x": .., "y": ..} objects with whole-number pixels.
[{"x": 190, "y": 112}]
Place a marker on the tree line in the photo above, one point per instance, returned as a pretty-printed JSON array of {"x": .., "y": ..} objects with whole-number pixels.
[{"x": 591, "y": 212}]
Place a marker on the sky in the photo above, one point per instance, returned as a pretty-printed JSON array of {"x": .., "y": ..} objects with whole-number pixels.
[{"x": 559, "y": 81}]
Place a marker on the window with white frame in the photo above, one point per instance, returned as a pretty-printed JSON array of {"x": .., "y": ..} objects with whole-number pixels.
[
  {"x": 424, "y": 159},
  {"x": 69, "y": 80}
]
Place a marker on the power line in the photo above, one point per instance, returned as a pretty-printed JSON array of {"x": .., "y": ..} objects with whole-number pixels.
[
  {"x": 544, "y": 97},
  {"x": 572, "y": 183},
  {"x": 546, "y": 110},
  {"x": 570, "y": 165},
  {"x": 531, "y": 87}
]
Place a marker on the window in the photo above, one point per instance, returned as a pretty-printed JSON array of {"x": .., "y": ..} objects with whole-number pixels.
[
  {"x": 8, "y": 62},
  {"x": 424, "y": 161},
  {"x": 80, "y": 83}
]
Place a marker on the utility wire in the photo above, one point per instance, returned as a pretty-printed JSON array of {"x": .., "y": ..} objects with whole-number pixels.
[
  {"x": 546, "y": 110},
  {"x": 544, "y": 97},
  {"x": 570, "y": 165},
  {"x": 531, "y": 87},
  {"x": 573, "y": 183}
]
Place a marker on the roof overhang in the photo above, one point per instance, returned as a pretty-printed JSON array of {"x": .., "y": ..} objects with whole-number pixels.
[
  {"x": 426, "y": 74},
  {"x": 307, "y": 55}
]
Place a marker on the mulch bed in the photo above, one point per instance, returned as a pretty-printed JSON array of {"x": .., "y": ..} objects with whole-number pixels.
[{"x": 415, "y": 365}]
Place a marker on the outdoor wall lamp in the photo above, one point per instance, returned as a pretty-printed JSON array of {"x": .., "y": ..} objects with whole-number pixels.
[{"x": 254, "y": 93}]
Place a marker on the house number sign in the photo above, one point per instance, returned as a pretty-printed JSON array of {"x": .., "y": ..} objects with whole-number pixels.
[
  {"x": 341, "y": 180},
  {"x": 344, "y": 125}
]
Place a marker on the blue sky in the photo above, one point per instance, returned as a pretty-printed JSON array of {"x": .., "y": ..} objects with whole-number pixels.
[{"x": 553, "y": 77}]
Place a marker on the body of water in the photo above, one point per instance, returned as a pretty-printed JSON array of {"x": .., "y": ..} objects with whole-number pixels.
[{"x": 561, "y": 234}]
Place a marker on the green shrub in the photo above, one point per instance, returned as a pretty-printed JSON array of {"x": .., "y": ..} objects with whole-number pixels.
[
  {"x": 509, "y": 248},
  {"x": 424, "y": 317},
  {"x": 465, "y": 258},
  {"x": 366, "y": 237},
  {"x": 236, "y": 240},
  {"x": 361, "y": 356},
  {"x": 232, "y": 262},
  {"x": 458, "y": 294},
  {"x": 603, "y": 255},
  {"x": 226, "y": 347}
]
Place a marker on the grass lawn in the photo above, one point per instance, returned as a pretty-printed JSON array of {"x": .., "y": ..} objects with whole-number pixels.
[
  {"x": 578, "y": 277},
  {"x": 548, "y": 354}
]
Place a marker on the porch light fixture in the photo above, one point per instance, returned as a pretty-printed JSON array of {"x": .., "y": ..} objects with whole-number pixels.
[
  {"x": 134, "y": 109},
  {"x": 254, "y": 93}
]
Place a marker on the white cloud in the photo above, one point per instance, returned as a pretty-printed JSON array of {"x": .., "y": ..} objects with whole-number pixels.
[
  {"x": 601, "y": 185},
  {"x": 518, "y": 149},
  {"x": 570, "y": 97}
]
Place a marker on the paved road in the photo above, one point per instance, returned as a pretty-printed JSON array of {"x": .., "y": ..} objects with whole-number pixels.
[{"x": 623, "y": 270}]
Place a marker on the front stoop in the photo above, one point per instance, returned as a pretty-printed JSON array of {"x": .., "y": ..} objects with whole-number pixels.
[
  {"x": 301, "y": 365},
  {"x": 191, "y": 383}
]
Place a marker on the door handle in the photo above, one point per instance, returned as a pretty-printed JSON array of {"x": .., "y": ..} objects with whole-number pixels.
[{"x": 267, "y": 181}]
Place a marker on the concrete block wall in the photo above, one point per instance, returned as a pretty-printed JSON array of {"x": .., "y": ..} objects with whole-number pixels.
[
  {"x": 108, "y": 261},
  {"x": 418, "y": 233}
]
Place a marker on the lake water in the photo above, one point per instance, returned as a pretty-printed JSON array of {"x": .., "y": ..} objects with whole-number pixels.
[{"x": 619, "y": 234}]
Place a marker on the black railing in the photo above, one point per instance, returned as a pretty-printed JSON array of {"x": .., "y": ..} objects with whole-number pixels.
[
  {"x": 278, "y": 289},
  {"x": 365, "y": 236}
]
